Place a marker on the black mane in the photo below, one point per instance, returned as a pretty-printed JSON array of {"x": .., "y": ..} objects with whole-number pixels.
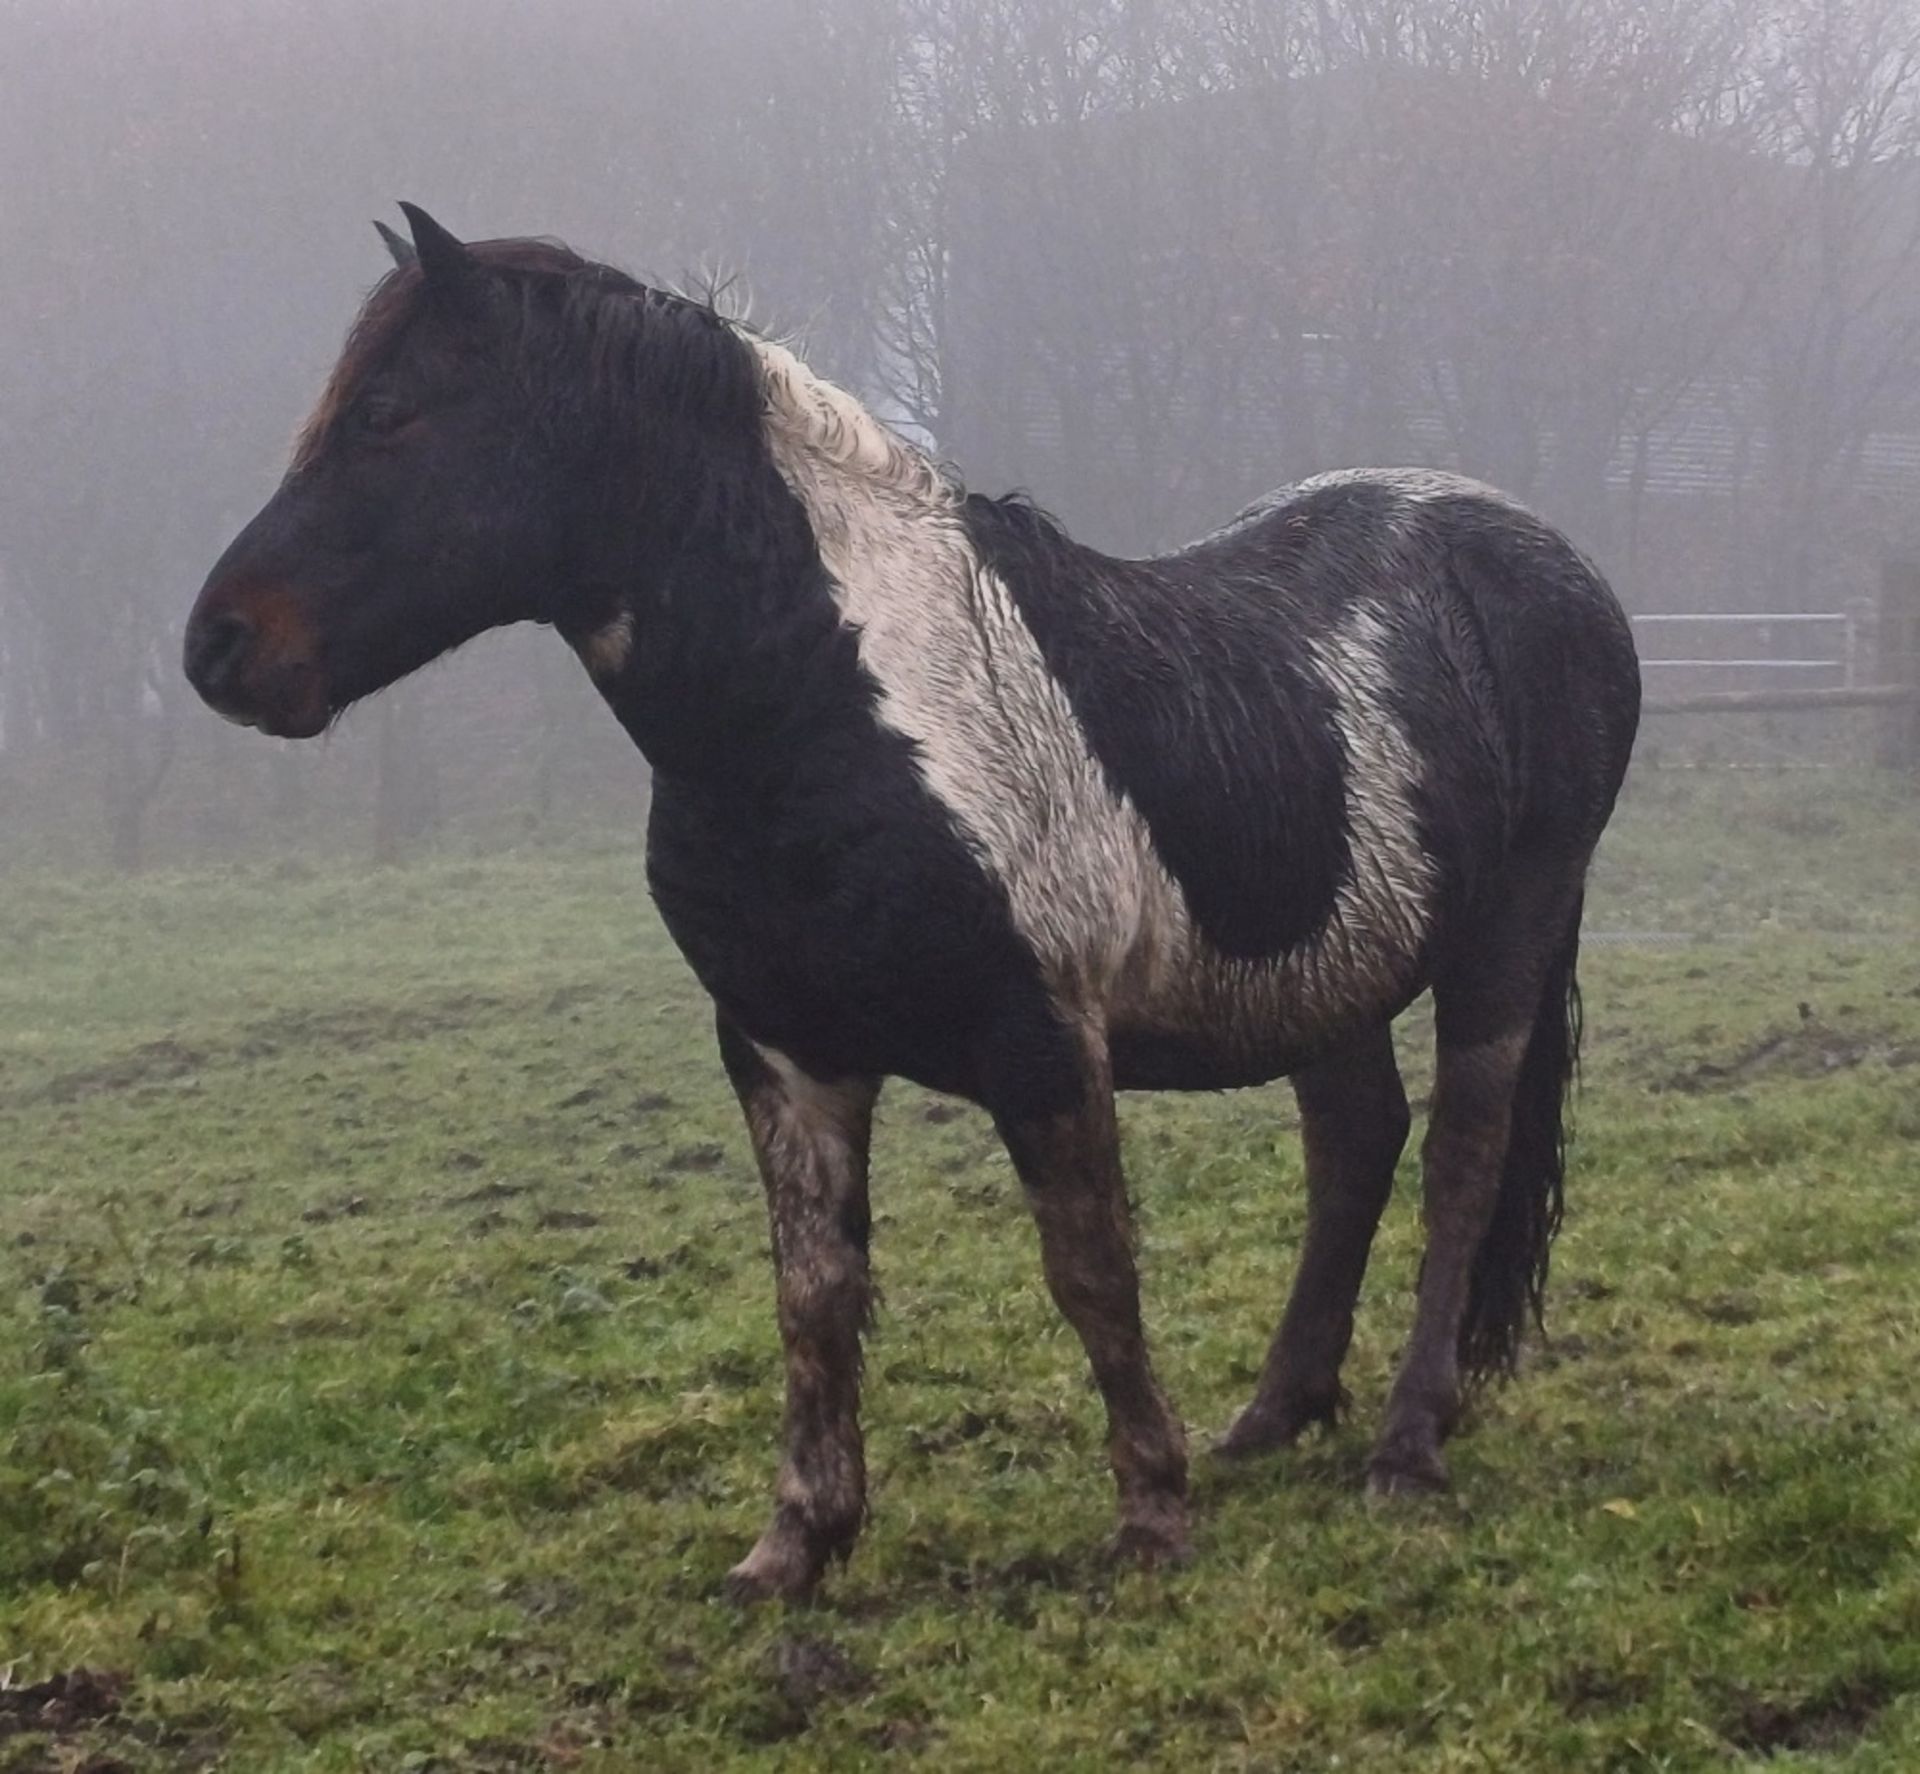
[
  {"x": 651, "y": 355},
  {"x": 1017, "y": 513}
]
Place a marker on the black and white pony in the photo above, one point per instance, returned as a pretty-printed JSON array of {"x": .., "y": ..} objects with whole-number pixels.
[{"x": 940, "y": 793}]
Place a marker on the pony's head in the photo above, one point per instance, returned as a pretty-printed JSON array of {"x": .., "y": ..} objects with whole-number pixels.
[{"x": 491, "y": 401}]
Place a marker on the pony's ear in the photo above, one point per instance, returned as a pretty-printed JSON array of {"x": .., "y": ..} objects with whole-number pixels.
[
  {"x": 453, "y": 274},
  {"x": 402, "y": 250}
]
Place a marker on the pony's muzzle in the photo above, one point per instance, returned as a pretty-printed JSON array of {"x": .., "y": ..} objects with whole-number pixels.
[
  {"x": 253, "y": 663},
  {"x": 216, "y": 651}
]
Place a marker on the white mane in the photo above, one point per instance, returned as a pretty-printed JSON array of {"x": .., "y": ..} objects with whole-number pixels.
[{"x": 811, "y": 416}]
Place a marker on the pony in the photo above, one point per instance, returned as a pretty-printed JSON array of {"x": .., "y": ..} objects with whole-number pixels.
[{"x": 941, "y": 793}]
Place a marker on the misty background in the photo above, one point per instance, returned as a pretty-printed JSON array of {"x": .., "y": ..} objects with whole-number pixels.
[{"x": 1654, "y": 267}]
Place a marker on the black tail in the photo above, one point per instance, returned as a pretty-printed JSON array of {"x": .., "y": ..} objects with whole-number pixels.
[{"x": 1510, "y": 1270}]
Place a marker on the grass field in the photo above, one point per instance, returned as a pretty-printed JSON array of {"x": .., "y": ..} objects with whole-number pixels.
[{"x": 389, "y": 1373}]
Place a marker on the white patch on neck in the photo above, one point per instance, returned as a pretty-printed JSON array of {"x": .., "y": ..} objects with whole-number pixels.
[
  {"x": 961, "y": 675},
  {"x": 998, "y": 744},
  {"x": 605, "y": 651},
  {"x": 808, "y": 414}
]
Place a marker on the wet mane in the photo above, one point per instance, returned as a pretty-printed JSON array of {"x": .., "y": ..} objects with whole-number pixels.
[{"x": 646, "y": 349}]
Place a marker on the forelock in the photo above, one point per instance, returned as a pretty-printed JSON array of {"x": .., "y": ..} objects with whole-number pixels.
[
  {"x": 644, "y": 347},
  {"x": 383, "y": 317}
]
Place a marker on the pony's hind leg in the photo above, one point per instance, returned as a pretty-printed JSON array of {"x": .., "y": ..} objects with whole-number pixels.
[
  {"x": 810, "y": 1139},
  {"x": 1505, "y": 1018},
  {"x": 1353, "y": 1126},
  {"x": 1068, "y": 1160}
]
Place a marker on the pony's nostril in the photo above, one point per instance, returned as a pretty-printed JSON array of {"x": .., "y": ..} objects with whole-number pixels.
[{"x": 215, "y": 649}]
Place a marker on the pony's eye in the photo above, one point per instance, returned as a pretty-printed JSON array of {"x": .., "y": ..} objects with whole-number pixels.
[{"x": 382, "y": 416}]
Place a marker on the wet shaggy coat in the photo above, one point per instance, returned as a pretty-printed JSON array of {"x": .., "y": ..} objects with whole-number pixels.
[
  {"x": 941, "y": 793},
  {"x": 1234, "y": 800}
]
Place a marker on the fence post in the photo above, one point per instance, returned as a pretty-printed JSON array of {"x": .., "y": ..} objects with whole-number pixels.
[
  {"x": 1856, "y": 657},
  {"x": 1897, "y": 644}
]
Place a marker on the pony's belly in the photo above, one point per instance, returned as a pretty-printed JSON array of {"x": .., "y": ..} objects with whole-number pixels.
[
  {"x": 1161, "y": 1059},
  {"x": 1227, "y": 1025}
]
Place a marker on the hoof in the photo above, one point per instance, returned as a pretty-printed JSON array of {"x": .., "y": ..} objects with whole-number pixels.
[
  {"x": 1249, "y": 1436},
  {"x": 780, "y": 1568},
  {"x": 1266, "y": 1430},
  {"x": 746, "y": 1587},
  {"x": 1151, "y": 1546},
  {"x": 1407, "y": 1472}
]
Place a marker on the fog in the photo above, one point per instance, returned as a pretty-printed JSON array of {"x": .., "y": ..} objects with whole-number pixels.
[{"x": 1654, "y": 267}]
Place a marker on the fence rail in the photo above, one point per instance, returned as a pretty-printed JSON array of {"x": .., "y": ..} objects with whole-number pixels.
[
  {"x": 1701, "y": 702},
  {"x": 1878, "y": 661},
  {"x": 1764, "y": 618},
  {"x": 1876, "y": 657},
  {"x": 1745, "y": 664}
]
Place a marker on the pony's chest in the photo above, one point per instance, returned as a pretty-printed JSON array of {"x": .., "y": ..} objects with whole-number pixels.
[{"x": 852, "y": 943}]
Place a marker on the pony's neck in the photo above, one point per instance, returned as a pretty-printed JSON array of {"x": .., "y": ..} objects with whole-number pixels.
[{"x": 736, "y": 643}]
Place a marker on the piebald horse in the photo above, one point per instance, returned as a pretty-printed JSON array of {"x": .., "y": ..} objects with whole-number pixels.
[{"x": 940, "y": 793}]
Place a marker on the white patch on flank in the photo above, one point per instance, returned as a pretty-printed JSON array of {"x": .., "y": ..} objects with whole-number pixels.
[
  {"x": 1390, "y": 883},
  {"x": 997, "y": 742},
  {"x": 1364, "y": 956},
  {"x": 609, "y": 647}
]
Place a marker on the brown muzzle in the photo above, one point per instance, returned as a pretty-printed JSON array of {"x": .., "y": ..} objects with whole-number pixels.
[{"x": 254, "y": 659}]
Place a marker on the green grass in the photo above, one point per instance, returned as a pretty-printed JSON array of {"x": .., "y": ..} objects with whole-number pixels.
[{"x": 389, "y": 1373}]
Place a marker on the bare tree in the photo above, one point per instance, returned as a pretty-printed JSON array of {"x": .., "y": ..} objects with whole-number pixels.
[{"x": 1839, "y": 337}]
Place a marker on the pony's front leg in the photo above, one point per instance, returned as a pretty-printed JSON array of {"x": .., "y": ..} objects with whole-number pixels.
[
  {"x": 810, "y": 1138},
  {"x": 1068, "y": 1161}
]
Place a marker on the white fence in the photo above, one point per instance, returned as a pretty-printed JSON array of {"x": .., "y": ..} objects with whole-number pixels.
[
  {"x": 1799, "y": 649},
  {"x": 1863, "y": 656}
]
